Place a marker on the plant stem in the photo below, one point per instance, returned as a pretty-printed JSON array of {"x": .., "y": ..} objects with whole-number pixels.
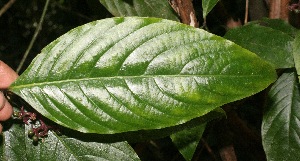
[
  {"x": 186, "y": 11},
  {"x": 37, "y": 30},
  {"x": 246, "y": 12},
  {"x": 227, "y": 153},
  {"x": 6, "y": 7},
  {"x": 278, "y": 9}
]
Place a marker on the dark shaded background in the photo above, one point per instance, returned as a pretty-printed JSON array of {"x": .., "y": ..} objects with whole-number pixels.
[{"x": 18, "y": 24}]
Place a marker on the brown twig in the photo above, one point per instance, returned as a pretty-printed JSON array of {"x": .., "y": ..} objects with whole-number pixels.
[
  {"x": 185, "y": 10},
  {"x": 246, "y": 11},
  {"x": 209, "y": 150},
  {"x": 225, "y": 138},
  {"x": 278, "y": 9},
  {"x": 6, "y": 6},
  {"x": 227, "y": 153},
  {"x": 247, "y": 137}
]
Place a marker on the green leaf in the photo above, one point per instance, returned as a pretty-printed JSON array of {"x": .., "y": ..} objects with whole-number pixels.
[
  {"x": 277, "y": 24},
  {"x": 207, "y": 6},
  {"x": 141, "y": 8},
  {"x": 187, "y": 140},
  {"x": 16, "y": 145},
  {"x": 270, "y": 44},
  {"x": 127, "y": 74},
  {"x": 13, "y": 144},
  {"x": 296, "y": 53},
  {"x": 281, "y": 124}
]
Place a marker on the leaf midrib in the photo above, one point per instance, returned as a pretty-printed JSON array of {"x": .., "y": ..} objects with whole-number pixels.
[{"x": 122, "y": 77}]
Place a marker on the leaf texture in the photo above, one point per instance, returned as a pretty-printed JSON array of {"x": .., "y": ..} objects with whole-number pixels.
[
  {"x": 281, "y": 121},
  {"x": 16, "y": 145},
  {"x": 270, "y": 44},
  {"x": 296, "y": 53},
  {"x": 141, "y": 8},
  {"x": 127, "y": 74}
]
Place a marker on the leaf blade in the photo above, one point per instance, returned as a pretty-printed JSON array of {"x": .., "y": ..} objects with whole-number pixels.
[
  {"x": 296, "y": 53},
  {"x": 270, "y": 44},
  {"x": 280, "y": 127},
  {"x": 101, "y": 78},
  {"x": 276, "y": 24},
  {"x": 187, "y": 140},
  {"x": 207, "y": 6},
  {"x": 18, "y": 146},
  {"x": 141, "y": 8}
]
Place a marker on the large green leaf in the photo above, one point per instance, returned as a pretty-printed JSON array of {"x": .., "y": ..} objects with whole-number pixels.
[
  {"x": 16, "y": 145},
  {"x": 281, "y": 122},
  {"x": 142, "y": 8},
  {"x": 296, "y": 53},
  {"x": 270, "y": 44},
  {"x": 127, "y": 74},
  {"x": 207, "y": 6}
]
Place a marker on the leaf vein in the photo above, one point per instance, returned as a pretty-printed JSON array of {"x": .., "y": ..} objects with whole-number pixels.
[
  {"x": 122, "y": 121},
  {"x": 65, "y": 48},
  {"x": 145, "y": 41},
  {"x": 72, "y": 100},
  {"x": 147, "y": 103}
]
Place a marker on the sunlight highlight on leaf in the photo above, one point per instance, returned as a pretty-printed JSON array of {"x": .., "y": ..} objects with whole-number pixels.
[{"x": 126, "y": 74}]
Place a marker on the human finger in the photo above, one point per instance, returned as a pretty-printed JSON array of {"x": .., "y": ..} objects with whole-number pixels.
[
  {"x": 7, "y": 75},
  {"x": 5, "y": 108},
  {"x": 1, "y": 128}
]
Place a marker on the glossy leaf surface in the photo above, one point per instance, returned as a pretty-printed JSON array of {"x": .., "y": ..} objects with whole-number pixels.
[
  {"x": 16, "y": 145},
  {"x": 281, "y": 122},
  {"x": 141, "y": 8},
  {"x": 207, "y": 6},
  {"x": 270, "y": 44},
  {"x": 296, "y": 53},
  {"x": 127, "y": 74}
]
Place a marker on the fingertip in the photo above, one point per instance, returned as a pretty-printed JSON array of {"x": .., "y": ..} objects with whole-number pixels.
[
  {"x": 6, "y": 111},
  {"x": 2, "y": 100},
  {"x": 1, "y": 128},
  {"x": 7, "y": 75}
]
